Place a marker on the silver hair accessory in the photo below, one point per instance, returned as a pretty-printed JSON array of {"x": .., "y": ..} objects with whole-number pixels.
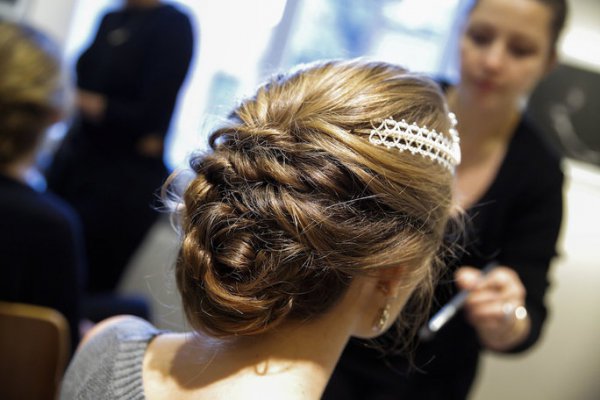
[{"x": 420, "y": 140}]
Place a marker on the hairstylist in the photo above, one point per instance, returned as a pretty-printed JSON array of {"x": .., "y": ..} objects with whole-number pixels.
[{"x": 510, "y": 184}]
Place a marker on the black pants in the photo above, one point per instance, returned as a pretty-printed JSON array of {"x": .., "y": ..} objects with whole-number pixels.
[{"x": 116, "y": 198}]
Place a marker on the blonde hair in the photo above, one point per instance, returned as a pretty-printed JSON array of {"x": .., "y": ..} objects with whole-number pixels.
[
  {"x": 293, "y": 201},
  {"x": 32, "y": 89}
]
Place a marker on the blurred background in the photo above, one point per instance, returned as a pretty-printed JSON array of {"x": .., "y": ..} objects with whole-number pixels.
[{"x": 240, "y": 42}]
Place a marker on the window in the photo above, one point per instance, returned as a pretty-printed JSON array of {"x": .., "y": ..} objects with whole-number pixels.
[
  {"x": 412, "y": 33},
  {"x": 241, "y": 42}
]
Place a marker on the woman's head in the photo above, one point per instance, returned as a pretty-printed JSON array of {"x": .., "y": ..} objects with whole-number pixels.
[
  {"x": 32, "y": 90},
  {"x": 508, "y": 45},
  {"x": 558, "y": 17},
  {"x": 294, "y": 201}
]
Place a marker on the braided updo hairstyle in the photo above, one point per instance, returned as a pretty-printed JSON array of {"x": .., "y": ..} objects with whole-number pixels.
[
  {"x": 293, "y": 201},
  {"x": 32, "y": 89}
]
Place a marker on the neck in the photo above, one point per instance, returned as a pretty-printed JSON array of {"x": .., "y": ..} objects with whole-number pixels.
[
  {"x": 482, "y": 128},
  {"x": 306, "y": 352},
  {"x": 296, "y": 358}
]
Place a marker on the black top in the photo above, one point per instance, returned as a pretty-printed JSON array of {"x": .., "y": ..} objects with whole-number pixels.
[
  {"x": 516, "y": 222},
  {"x": 41, "y": 259},
  {"x": 138, "y": 59}
]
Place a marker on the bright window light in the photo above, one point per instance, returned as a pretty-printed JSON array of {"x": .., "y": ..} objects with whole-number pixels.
[
  {"x": 581, "y": 45},
  {"x": 239, "y": 41}
]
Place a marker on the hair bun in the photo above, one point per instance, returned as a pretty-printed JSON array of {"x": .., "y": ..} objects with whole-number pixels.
[{"x": 293, "y": 201}]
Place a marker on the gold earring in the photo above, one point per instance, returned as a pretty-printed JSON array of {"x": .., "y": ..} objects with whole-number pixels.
[{"x": 382, "y": 318}]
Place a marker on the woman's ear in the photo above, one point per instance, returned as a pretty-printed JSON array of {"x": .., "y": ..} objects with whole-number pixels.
[{"x": 390, "y": 280}]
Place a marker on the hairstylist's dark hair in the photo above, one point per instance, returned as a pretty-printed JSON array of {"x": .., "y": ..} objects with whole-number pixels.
[
  {"x": 559, "y": 17},
  {"x": 293, "y": 201},
  {"x": 559, "y": 10}
]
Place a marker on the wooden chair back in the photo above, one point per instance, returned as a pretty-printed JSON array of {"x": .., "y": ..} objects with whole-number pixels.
[{"x": 34, "y": 350}]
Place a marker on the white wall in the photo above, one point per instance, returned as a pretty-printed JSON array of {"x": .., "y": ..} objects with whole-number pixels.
[
  {"x": 581, "y": 43},
  {"x": 52, "y": 16}
]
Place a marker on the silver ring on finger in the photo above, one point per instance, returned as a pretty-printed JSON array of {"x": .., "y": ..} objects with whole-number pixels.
[{"x": 520, "y": 313}]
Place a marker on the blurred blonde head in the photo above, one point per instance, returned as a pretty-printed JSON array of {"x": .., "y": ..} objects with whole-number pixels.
[{"x": 33, "y": 90}]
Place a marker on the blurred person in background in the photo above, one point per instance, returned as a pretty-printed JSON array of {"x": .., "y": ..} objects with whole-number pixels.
[
  {"x": 41, "y": 252},
  {"x": 110, "y": 164}
]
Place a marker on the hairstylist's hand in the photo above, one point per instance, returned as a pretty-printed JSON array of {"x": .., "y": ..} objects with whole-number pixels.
[
  {"x": 495, "y": 307},
  {"x": 91, "y": 105}
]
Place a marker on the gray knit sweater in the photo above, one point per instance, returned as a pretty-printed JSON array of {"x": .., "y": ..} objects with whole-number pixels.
[{"x": 109, "y": 365}]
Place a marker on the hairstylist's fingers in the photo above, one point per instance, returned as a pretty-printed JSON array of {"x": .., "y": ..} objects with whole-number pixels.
[
  {"x": 484, "y": 296},
  {"x": 502, "y": 279},
  {"x": 467, "y": 277},
  {"x": 498, "y": 288},
  {"x": 491, "y": 310},
  {"x": 491, "y": 317}
]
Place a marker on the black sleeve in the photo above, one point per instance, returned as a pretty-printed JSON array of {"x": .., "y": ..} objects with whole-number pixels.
[
  {"x": 530, "y": 242},
  {"x": 87, "y": 60},
  {"x": 165, "y": 67}
]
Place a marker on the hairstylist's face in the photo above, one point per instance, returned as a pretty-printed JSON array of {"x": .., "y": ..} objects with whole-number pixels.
[{"x": 505, "y": 49}]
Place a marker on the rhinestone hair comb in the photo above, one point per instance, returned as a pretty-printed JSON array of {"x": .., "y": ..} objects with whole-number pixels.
[{"x": 420, "y": 140}]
